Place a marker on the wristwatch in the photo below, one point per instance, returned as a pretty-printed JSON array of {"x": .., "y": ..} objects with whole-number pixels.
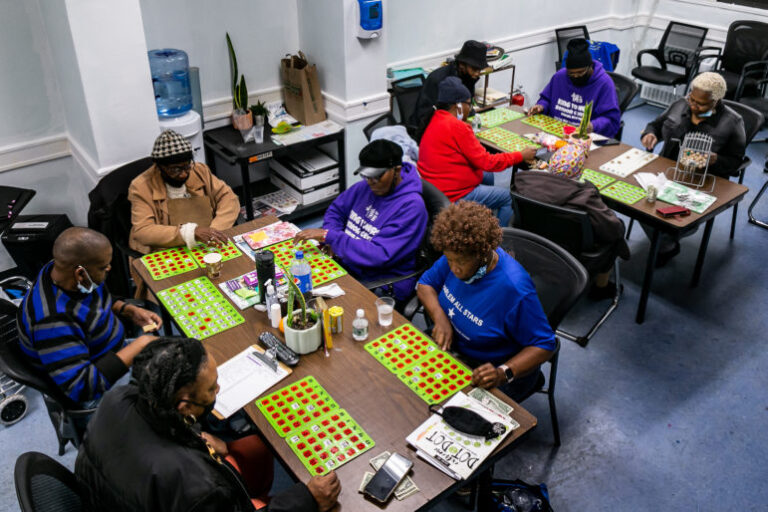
[{"x": 510, "y": 376}]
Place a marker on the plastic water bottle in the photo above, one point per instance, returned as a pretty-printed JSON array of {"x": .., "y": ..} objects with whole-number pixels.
[
  {"x": 303, "y": 273},
  {"x": 170, "y": 77},
  {"x": 360, "y": 326},
  {"x": 270, "y": 297}
]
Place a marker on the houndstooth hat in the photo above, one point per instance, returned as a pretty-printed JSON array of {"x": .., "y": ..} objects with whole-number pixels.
[{"x": 171, "y": 148}]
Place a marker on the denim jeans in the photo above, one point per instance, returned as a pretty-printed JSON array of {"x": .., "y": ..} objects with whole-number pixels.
[{"x": 495, "y": 198}]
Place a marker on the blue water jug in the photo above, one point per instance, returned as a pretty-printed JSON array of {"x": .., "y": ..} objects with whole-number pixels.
[{"x": 170, "y": 76}]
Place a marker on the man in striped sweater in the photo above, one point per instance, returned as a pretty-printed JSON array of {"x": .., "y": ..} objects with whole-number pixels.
[{"x": 69, "y": 326}]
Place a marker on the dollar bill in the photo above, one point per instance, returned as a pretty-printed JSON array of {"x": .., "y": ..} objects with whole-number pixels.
[
  {"x": 379, "y": 460},
  {"x": 490, "y": 401},
  {"x": 366, "y": 478},
  {"x": 405, "y": 489}
]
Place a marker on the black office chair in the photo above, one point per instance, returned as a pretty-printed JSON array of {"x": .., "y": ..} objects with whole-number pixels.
[
  {"x": 752, "y": 218},
  {"x": 571, "y": 230},
  {"x": 679, "y": 46},
  {"x": 753, "y": 121},
  {"x": 385, "y": 119},
  {"x": 110, "y": 214},
  {"x": 626, "y": 90},
  {"x": 405, "y": 93},
  {"x": 435, "y": 201},
  {"x": 752, "y": 87},
  {"x": 62, "y": 411},
  {"x": 745, "y": 42},
  {"x": 44, "y": 485},
  {"x": 563, "y": 36}
]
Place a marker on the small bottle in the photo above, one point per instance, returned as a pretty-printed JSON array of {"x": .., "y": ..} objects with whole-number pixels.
[
  {"x": 477, "y": 123},
  {"x": 651, "y": 194},
  {"x": 360, "y": 326},
  {"x": 275, "y": 315},
  {"x": 270, "y": 297},
  {"x": 303, "y": 273}
]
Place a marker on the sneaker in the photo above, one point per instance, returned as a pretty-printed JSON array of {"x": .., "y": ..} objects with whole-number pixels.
[
  {"x": 665, "y": 257},
  {"x": 601, "y": 293}
]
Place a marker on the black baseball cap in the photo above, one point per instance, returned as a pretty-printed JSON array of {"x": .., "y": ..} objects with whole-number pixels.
[
  {"x": 473, "y": 53},
  {"x": 378, "y": 157}
]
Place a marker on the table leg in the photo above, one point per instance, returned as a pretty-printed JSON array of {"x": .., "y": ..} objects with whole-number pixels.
[
  {"x": 484, "y": 496},
  {"x": 650, "y": 265},
  {"x": 702, "y": 252},
  {"x": 246, "y": 179}
]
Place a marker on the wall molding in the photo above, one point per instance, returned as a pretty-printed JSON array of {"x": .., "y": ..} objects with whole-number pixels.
[
  {"x": 34, "y": 152},
  {"x": 361, "y": 108},
  {"x": 219, "y": 109}
]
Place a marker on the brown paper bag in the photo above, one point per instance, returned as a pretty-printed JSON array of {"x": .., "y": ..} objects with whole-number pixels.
[{"x": 301, "y": 89}]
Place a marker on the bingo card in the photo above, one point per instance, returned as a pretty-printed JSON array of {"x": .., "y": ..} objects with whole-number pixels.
[
  {"x": 228, "y": 251},
  {"x": 628, "y": 162},
  {"x": 506, "y": 140},
  {"x": 598, "y": 179},
  {"x": 324, "y": 269},
  {"x": 624, "y": 192},
  {"x": 168, "y": 262},
  {"x": 498, "y": 116},
  {"x": 547, "y": 124}
]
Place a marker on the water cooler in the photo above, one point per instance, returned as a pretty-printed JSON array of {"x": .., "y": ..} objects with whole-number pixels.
[{"x": 190, "y": 127}]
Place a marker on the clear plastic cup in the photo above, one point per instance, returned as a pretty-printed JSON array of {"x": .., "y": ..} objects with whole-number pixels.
[{"x": 385, "y": 306}]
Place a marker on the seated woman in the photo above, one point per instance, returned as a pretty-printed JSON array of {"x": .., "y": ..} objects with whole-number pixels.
[
  {"x": 144, "y": 449},
  {"x": 453, "y": 160},
  {"x": 484, "y": 303},
  {"x": 561, "y": 187}
]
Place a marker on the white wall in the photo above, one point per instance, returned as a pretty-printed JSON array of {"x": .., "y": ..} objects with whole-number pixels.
[
  {"x": 321, "y": 22},
  {"x": 262, "y": 32}
]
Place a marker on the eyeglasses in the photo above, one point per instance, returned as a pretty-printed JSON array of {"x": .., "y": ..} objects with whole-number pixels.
[
  {"x": 692, "y": 102},
  {"x": 175, "y": 170}
]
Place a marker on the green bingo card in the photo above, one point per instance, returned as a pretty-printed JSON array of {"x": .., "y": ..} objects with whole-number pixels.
[
  {"x": 547, "y": 124},
  {"x": 324, "y": 269},
  {"x": 322, "y": 435},
  {"x": 227, "y": 251},
  {"x": 598, "y": 179},
  {"x": 624, "y": 192},
  {"x": 419, "y": 363},
  {"x": 199, "y": 308},
  {"x": 177, "y": 260},
  {"x": 497, "y": 117},
  {"x": 506, "y": 140}
]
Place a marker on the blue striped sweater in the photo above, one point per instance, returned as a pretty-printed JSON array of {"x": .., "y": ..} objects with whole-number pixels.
[{"x": 72, "y": 336}]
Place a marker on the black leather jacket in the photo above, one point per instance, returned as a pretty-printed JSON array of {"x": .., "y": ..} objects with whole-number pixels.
[
  {"x": 126, "y": 465},
  {"x": 725, "y": 127}
]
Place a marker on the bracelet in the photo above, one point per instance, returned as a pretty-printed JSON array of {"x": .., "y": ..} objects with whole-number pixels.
[{"x": 120, "y": 311}]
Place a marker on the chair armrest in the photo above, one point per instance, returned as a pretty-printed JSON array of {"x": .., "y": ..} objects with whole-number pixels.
[
  {"x": 127, "y": 250},
  {"x": 372, "y": 285},
  {"x": 705, "y": 53},
  {"x": 748, "y": 68},
  {"x": 742, "y": 168},
  {"x": 653, "y": 52},
  {"x": 411, "y": 308},
  {"x": 21, "y": 280}
]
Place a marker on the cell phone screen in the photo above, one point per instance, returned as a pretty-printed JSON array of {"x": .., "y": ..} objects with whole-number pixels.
[{"x": 387, "y": 477}]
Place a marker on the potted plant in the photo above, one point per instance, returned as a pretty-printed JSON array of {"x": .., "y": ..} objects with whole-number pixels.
[
  {"x": 241, "y": 116},
  {"x": 259, "y": 111},
  {"x": 303, "y": 329}
]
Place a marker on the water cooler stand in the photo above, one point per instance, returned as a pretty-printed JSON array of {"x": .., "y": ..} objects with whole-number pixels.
[{"x": 190, "y": 127}]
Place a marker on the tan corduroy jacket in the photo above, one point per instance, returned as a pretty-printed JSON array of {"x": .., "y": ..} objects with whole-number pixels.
[{"x": 149, "y": 206}]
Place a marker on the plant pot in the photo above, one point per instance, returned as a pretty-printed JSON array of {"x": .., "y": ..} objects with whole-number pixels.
[
  {"x": 242, "y": 119},
  {"x": 304, "y": 341}
]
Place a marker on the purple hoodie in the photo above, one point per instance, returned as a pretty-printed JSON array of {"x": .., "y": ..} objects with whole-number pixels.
[
  {"x": 377, "y": 236},
  {"x": 563, "y": 100}
]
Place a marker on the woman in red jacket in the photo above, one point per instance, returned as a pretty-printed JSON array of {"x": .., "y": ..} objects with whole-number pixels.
[{"x": 452, "y": 159}]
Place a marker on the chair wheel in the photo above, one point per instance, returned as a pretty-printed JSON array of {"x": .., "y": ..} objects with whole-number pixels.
[{"x": 13, "y": 409}]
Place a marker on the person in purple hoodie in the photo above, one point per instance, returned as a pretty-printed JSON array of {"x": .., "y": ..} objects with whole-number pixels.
[
  {"x": 581, "y": 81},
  {"x": 376, "y": 226}
]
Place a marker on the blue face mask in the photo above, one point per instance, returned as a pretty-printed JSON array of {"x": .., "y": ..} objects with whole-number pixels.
[
  {"x": 460, "y": 112},
  {"x": 82, "y": 288},
  {"x": 479, "y": 274},
  {"x": 708, "y": 113}
]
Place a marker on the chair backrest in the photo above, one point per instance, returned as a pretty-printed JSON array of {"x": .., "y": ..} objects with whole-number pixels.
[
  {"x": 753, "y": 119},
  {"x": 386, "y": 119},
  {"x": 563, "y": 35},
  {"x": 566, "y": 227},
  {"x": 44, "y": 485},
  {"x": 406, "y": 94},
  {"x": 559, "y": 277},
  {"x": 746, "y": 41},
  {"x": 435, "y": 201},
  {"x": 679, "y": 44},
  {"x": 110, "y": 214},
  {"x": 626, "y": 89},
  {"x": 754, "y": 82}
]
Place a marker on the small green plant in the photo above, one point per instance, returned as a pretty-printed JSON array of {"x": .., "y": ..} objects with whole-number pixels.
[
  {"x": 239, "y": 89},
  {"x": 586, "y": 117},
  {"x": 259, "y": 109},
  {"x": 293, "y": 294}
]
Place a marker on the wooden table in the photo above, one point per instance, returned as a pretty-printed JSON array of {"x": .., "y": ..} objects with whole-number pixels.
[
  {"x": 726, "y": 192},
  {"x": 386, "y": 409}
]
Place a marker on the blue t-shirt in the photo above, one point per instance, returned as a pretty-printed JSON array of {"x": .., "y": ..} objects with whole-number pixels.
[{"x": 495, "y": 317}]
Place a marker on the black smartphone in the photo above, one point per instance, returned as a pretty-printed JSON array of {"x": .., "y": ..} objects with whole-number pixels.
[
  {"x": 605, "y": 142},
  {"x": 383, "y": 483}
]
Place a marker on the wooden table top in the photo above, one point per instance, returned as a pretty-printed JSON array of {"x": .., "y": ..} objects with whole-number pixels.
[
  {"x": 725, "y": 191},
  {"x": 385, "y": 408}
]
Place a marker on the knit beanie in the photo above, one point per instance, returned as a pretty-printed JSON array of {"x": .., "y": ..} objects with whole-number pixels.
[
  {"x": 578, "y": 54},
  {"x": 568, "y": 161},
  {"x": 171, "y": 148},
  {"x": 451, "y": 90}
]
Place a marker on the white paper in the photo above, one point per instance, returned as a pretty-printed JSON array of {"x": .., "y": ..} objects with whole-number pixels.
[
  {"x": 628, "y": 162},
  {"x": 243, "y": 379}
]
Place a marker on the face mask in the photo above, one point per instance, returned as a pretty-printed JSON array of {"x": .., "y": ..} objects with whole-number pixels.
[
  {"x": 469, "y": 422},
  {"x": 479, "y": 274},
  {"x": 580, "y": 81},
  {"x": 708, "y": 113},
  {"x": 82, "y": 288},
  {"x": 207, "y": 409},
  {"x": 460, "y": 112}
]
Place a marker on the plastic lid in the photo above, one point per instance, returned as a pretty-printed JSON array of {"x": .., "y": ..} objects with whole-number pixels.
[
  {"x": 270, "y": 289},
  {"x": 299, "y": 255},
  {"x": 275, "y": 307},
  {"x": 360, "y": 313}
]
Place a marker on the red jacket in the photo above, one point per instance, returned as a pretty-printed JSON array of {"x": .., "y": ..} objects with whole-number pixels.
[{"x": 452, "y": 159}]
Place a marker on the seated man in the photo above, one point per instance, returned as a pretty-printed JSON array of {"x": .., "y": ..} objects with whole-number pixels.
[
  {"x": 376, "y": 226},
  {"x": 701, "y": 111},
  {"x": 561, "y": 187},
  {"x": 484, "y": 304},
  {"x": 469, "y": 62},
  {"x": 581, "y": 81},
  {"x": 68, "y": 323}
]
